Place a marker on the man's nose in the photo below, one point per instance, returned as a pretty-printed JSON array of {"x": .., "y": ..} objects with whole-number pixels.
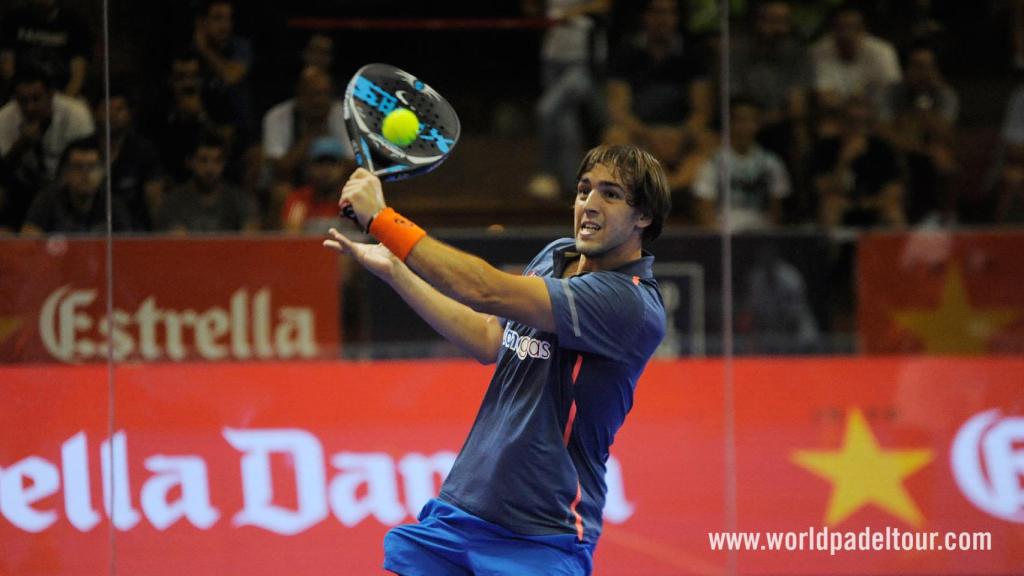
[{"x": 592, "y": 201}]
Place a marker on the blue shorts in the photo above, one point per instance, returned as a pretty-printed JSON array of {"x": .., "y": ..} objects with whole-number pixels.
[{"x": 450, "y": 542}]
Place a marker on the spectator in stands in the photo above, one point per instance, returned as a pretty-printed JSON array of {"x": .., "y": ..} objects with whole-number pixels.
[
  {"x": 1005, "y": 181},
  {"x": 290, "y": 127},
  {"x": 225, "y": 60},
  {"x": 136, "y": 178},
  {"x": 187, "y": 117},
  {"x": 1009, "y": 191},
  {"x": 35, "y": 127},
  {"x": 774, "y": 313},
  {"x": 656, "y": 81},
  {"x": 313, "y": 208},
  {"x": 772, "y": 67},
  {"x": 850, "y": 62},
  {"x": 857, "y": 175},
  {"x": 77, "y": 203},
  {"x": 206, "y": 202},
  {"x": 572, "y": 53},
  {"x": 758, "y": 179},
  {"x": 919, "y": 116},
  {"x": 46, "y": 34}
]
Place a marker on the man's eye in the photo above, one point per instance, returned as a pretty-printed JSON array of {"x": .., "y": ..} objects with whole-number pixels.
[{"x": 582, "y": 191}]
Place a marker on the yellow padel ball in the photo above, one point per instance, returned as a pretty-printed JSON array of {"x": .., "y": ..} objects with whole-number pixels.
[{"x": 401, "y": 126}]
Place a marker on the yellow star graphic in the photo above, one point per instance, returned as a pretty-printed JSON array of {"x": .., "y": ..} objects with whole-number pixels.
[
  {"x": 8, "y": 326},
  {"x": 955, "y": 326},
  {"x": 862, "y": 473}
]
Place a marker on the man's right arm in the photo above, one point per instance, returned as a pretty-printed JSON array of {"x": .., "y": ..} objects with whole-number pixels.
[{"x": 476, "y": 334}]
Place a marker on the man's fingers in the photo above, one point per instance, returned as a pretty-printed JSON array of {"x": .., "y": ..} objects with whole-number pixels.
[
  {"x": 338, "y": 241},
  {"x": 335, "y": 245}
]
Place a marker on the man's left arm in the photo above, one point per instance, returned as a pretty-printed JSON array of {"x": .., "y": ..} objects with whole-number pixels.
[
  {"x": 77, "y": 70},
  {"x": 475, "y": 283}
]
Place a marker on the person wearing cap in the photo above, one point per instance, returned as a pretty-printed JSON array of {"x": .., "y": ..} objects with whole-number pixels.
[{"x": 313, "y": 207}]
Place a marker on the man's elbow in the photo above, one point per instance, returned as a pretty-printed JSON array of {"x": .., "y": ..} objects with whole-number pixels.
[
  {"x": 481, "y": 293},
  {"x": 485, "y": 359}
]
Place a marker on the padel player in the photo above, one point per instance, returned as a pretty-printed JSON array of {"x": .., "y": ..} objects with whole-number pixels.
[{"x": 570, "y": 338}]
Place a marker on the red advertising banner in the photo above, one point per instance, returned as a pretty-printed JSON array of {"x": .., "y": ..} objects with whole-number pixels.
[
  {"x": 174, "y": 299},
  {"x": 941, "y": 293},
  {"x": 300, "y": 468}
]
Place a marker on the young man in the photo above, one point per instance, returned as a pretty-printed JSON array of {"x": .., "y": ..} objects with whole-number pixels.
[
  {"x": 77, "y": 203},
  {"x": 570, "y": 338},
  {"x": 314, "y": 206},
  {"x": 207, "y": 202},
  {"x": 758, "y": 178}
]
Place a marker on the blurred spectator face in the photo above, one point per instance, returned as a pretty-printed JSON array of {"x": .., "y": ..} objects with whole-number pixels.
[
  {"x": 661, "y": 19},
  {"x": 185, "y": 76},
  {"x": 858, "y": 115},
  {"x": 219, "y": 23},
  {"x": 315, "y": 93},
  {"x": 848, "y": 31},
  {"x": 120, "y": 114},
  {"x": 83, "y": 173},
  {"x": 745, "y": 122},
  {"x": 35, "y": 101},
  {"x": 208, "y": 166},
  {"x": 319, "y": 52},
  {"x": 773, "y": 21},
  {"x": 922, "y": 69},
  {"x": 326, "y": 175}
]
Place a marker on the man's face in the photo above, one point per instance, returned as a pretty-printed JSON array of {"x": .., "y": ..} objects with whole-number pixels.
[
  {"x": 185, "y": 77},
  {"x": 208, "y": 165},
  {"x": 120, "y": 114},
  {"x": 34, "y": 100},
  {"x": 315, "y": 93},
  {"x": 319, "y": 52},
  {"x": 219, "y": 24},
  {"x": 745, "y": 123},
  {"x": 773, "y": 21},
  {"x": 661, "y": 19},
  {"x": 603, "y": 219},
  {"x": 83, "y": 172},
  {"x": 848, "y": 31},
  {"x": 922, "y": 71}
]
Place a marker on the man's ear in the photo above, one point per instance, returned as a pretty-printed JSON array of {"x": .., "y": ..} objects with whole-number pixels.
[{"x": 644, "y": 220}]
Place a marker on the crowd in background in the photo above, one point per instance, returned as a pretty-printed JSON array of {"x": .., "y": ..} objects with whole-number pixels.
[{"x": 831, "y": 123}]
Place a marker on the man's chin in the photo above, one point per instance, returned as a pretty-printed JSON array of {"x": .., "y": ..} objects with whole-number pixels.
[{"x": 589, "y": 248}]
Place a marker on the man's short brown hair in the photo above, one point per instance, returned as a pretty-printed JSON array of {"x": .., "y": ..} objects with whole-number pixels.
[{"x": 643, "y": 177}]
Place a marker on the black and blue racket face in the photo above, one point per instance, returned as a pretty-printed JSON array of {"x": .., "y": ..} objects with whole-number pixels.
[{"x": 375, "y": 91}]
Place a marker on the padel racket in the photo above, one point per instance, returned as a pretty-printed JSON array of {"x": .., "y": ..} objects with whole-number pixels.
[{"x": 375, "y": 91}]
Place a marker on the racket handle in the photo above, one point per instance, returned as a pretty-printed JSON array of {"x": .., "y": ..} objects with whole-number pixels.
[{"x": 348, "y": 212}]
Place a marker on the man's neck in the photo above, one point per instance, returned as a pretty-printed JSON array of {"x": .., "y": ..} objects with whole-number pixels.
[
  {"x": 81, "y": 203},
  {"x": 205, "y": 190},
  {"x": 610, "y": 261}
]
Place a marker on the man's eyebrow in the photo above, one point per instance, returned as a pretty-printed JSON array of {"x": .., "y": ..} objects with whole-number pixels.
[
  {"x": 610, "y": 184},
  {"x": 603, "y": 184}
]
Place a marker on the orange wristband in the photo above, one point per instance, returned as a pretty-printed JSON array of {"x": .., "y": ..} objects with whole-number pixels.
[{"x": 395, "y": 232}]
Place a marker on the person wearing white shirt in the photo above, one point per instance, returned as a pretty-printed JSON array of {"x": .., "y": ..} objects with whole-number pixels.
[
  {"x": 850, "y": 62},
  {"x": 35, "y": 127},
  {"x": 758, "y": 179}
]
